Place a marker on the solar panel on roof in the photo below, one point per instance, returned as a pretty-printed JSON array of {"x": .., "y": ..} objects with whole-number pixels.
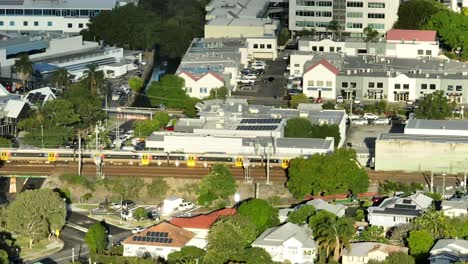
[
  {"x": 261, "y": 121},
  {"x": 405, "y": 206},
  {"x": 138, "y": 238},
  {"x": 406, "y": 201}
]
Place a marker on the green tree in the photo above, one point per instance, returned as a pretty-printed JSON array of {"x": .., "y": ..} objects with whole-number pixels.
[
  {"x": 61, "y": 78},
  {"x": 260, "y": 213},
  {"x": 96, "y": 238},
  {"x": 373, "y": 234},
  {"x": 4, "y": 257},
  {"x": 135, "y": 84},
  {"x": 457, "y": 227},
  {"x": 256, "y": 255},
  {"x": 298, "y": 127},
  {"x": 328, "y": 105},
  {"x": 301, "y": 215},
  {"x": 298, "y": 99},
  {"x": 334, "y": 236},
  {"x": 140, "y": 214},
  {"x": 395, "y": 258},
  {"x": 370, "y": 33},
  {"x": 86, "y": 197},
  {"x": 435, "y": 222},
  {"x": 5, "y": 143},
  {"x": 324, "y": 131},
  {"x": 338, "y": 172},
  {"x": 283, "y": 36},
  {"x": 218, "y": 184},
  {"x": 218, "y": 93},
  {"x": 434, "y": 106},
  {"x": 414, "y": 14},
  {"x": 334, "y": 26},
  {"x": 228, "y": 238},
  {"x": 24, "y": 67},
  {"x": 87, "y": 105},
  {"x": 128, "y": 187},
  {"x": 187, "y": 255},
  {"x": 420, "y": 243},
  {"x": 401, "y": 232},
  {"x": 144, "y": 128},
  {"x": 36, "y": 214},
  {"x": 157, "y": 189},
  {"x": 93, "y": 78},
  {"x": 319, "y": 218}
]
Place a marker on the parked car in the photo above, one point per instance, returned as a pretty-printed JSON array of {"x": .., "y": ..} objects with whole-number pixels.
[
  {"x": 268, "y": 79},
  {"x": 381, "y": 121},
  {"x": 115, "y": 206},
  {"x": 294, "y": 92},
  {"x": 353, "y": 117},
  {"x": 339, "y": 99},
  {"x": 245, "y": 71},
  {"x": 186, "y": 206},
  {"x": 128, "y": 204},
  {"x": 257, "y": 67},
  {"x": 130, "y": 133},
  {"x": 395, "y": 120},
  {"x": 376, "y": 200},
  {"x": 357, "y": 100},
  {"x": 285, "y": 56},
  {"x": 370, "y": 116},
  {"x": 257, "y": 62},
  {"x": 359, "y": 230},
  {"x": 246, "y": 81},
  {"x": 259, "y": 72},
  {"x": 137, "y": 229},
  {"x": 129, "y": 148},
  {"x": 360, "y": 121},
  {"x": 247, "y": 87}
]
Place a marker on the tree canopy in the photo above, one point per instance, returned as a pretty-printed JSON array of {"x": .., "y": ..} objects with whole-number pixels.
[
  {"x": 338, "y": 172},
  {"x": 144, "y": 128},
  {"x": 260, "y": 213},
  {"x": 218, "y": 184},
  {"x": 414, "y": 14},
  {"x": 157, "y": 189},
  {"x": 187, "y": 255},
  {"x": 96, "y": 238},
  {"x": 420, "y": 243},
  {"x": 36, "y": 214},
  {"x": 300, "y": 127},
  {"x": 334, "y": 236},
  {"x": 135, "y": 83},
  {"x": 434, "y": 106},
  {"x": 301, "y": 215},
  {"x": 298, "y": 99},
  {"x": 395, "y": 258}
]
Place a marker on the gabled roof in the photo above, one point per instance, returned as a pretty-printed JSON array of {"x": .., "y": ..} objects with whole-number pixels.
[
  {"x": 363, "y": 249},
  {"x": 410, "y": 35},
  {"x": 202, "y": 221},
  {"x": 319, "y": 204},
  {"x": 196, "y": 78},
  {"x": 13, "y": 108},
  {"x": 456, "y": 245},
  {"x": 326, "y": 64},
  {"x": 176, "y": 236},
  {"x": 276, "y": 236}
]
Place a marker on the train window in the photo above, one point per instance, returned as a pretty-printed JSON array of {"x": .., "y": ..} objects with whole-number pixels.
[{"x": 159, "y": 157}]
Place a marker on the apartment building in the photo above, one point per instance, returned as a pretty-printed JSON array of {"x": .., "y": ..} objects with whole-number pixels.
[
  {"x": 69, "y": 16},
  {"x": 352, "y": 15}
]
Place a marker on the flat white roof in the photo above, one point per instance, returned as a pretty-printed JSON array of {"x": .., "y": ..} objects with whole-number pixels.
[{"x": 60, "y": 4}]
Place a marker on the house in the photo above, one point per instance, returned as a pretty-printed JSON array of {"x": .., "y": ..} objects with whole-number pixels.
[
  {"x": 447, "y": 251},
  {"x": 455, "y": 208},
  {"x": 319, "y": 80},
  {"x": 336, "y": 209},
  {"x": 288, "y": 242},
  {"x": 39, "y": 97},
  {"x": 200, "y": 86},
  {"x": 158, "y": 241},
  {"x": 13, "y": 111},
  {"x": 361, "y": 253},
  {"x": 201, "y": 224},
  {"x": 398, "y": 210}
]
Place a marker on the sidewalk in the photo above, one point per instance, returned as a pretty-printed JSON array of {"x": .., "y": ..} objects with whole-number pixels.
[{"x": 54, "y": 246}]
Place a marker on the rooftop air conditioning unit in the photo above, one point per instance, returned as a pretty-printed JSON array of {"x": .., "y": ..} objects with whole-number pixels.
[{"x": 426, "y": 75}]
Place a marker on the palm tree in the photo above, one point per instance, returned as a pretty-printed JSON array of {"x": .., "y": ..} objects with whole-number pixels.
[
  {"x": 93, "y": 77},
  {"x": 24, "y": 67},
  {"x": 435, "y": 222},
  {"x": 61, "y": 77},
  {"x": 334, "y": 235}
]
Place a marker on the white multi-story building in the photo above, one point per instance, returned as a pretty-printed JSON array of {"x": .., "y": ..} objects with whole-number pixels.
[
  {"x": 352, "y": 15},
  {"x": 52, "y": 15}
]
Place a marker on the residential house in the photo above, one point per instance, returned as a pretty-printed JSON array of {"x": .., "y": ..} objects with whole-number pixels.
[
  {"x": 158, "y": 241},
  {"x": 455, "y": 207},
  {"x": 200, "y": 86},
  {"x": 288, "y": 242},
  {"x": 13, "y": 111},
  {"x": 398, "y": 210},
  {"x": 362, "y": 252},
  {"x": 201, "y": 224},
  {"x": 319, "y": 80},
  {"x": 39, "y": 97},
  {"x": 447, "y": 251},
  {"x": 336, "y": 209}
]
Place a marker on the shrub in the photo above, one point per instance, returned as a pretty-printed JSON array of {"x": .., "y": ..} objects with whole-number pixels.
[{"x": 77, "y": 180}]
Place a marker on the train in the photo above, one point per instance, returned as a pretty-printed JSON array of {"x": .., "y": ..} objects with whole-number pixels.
[{"x": 143, "y": 158}]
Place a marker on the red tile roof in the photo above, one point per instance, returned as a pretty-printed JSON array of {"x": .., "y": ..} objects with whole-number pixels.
[
  {"x": 327, "y": 65},
  {"x": 180, "y": 237},
  {"x": 202, "y": 221},
  {"x": 195, "y": 78},
  {"x": 410, "y": 35}
]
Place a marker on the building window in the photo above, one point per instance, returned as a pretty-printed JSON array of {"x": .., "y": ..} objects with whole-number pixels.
[
  {"x": 262, "y": 46},
  {"x": 406, "y": 86},
  {"x": 354, "y": 14},
  {"x": 36, "y": 23},
  {"x": 320, "y": 83},
  {"x": 80, "y": 25},
  {"x": 310, "y": 83},
  {"x": 203, "y": 90},
  {"x": 376, "y": 15},
  {"x": 12, "y": 23},
  {"x": 450, "y": 88},
  {"x": 353, "y": 85},
  {"x": 432, "y": 86},
  {"x": 25, "y": 23},
  {"x": 314, "y": 48},
  {"x": 332, "y": 49},
  {"x": 49, "y": 23},
  {"x": 321, "y": 48},
  {"x": 353, "y": 25},
  {"x": 188, "y": 90},
  {"x": 70, "y": 25},
  {"x": 268, "y": 46},
  {"x": 371, "y": 85},
  {"x": 1, "y": 23},
  {"x": 255, "y": 46},
  {"x": 397, "y": 86},
  {"x": 423, "y": 86},
  {"x": 420, "y": 52},
  {"x": 379, "y": 85},
  {"x": 296, "y": 65},
  {"x": 338, "y": 49},
  {"x": 344, "y": 85},
  {"x": 355, "y": 4},
  {"x": 376, "y": 5},
  {"x": 329, "y": 84},
  {"x": 428, "y": 52},
  {"x": 458, "y": 88}
]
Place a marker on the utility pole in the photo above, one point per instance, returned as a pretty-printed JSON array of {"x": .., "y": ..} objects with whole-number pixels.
[
  {"x": 464, "y": 181},
  {"x": 443, "y": 185},
  {"x": 42, "y": 135},
  {"x": 432, "y": 181},
  {"x": 73, "y": 255},
  {"x": 79, "y": 153}
]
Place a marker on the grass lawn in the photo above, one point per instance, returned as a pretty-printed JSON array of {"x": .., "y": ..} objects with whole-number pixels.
[{"x": 86, "y": 206}]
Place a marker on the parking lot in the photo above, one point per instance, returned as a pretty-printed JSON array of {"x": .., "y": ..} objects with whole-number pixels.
[{"x": 362, "y": 137}]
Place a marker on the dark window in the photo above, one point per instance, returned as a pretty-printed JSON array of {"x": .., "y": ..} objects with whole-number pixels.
[
  {"x": 321, "y": 48},
  {"x": 25, "y": 23},
  {"x": 379, "y": 85},
  {"x": 36, "y": 23},
  {"x": 353, "y": 85},
  {"x": 262, "y": 46},
  {"x": 406, "y": 86},
  {"x": 459, "y": 88},
  {"x": 268, "y": 46},
  {"x": 255, "y": 46},
  {"x": 397, "y": 86},
  {"x": 80, "y": 25},
  {"x": 450, "y": 88},
  {"x": 423, "y": 86},
  {"x": 344, "y": 84},
  {"x": 70, "y": 25},
  {"x": 371, "y": 85},
  {"x": 432, "y": 86}
]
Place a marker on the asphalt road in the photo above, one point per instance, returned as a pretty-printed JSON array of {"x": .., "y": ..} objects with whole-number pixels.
[{"x": 74, "y": 239}]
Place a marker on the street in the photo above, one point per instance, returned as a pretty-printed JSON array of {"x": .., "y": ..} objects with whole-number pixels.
[{"x": 74, "y": 239}]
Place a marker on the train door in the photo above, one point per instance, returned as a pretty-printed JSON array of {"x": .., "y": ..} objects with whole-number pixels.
[
  {"x": 239, "y": 162},
  {"x": 5, "y": 156},
  {"x": 52, "y": 156},
  {"x": 191, "y": 161},
  {"x": 285, "y": 164},
  {"x": 145, "y": 159}
]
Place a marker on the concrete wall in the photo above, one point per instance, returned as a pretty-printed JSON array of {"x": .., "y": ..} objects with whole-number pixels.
[{"x": 415, "y": 156}]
